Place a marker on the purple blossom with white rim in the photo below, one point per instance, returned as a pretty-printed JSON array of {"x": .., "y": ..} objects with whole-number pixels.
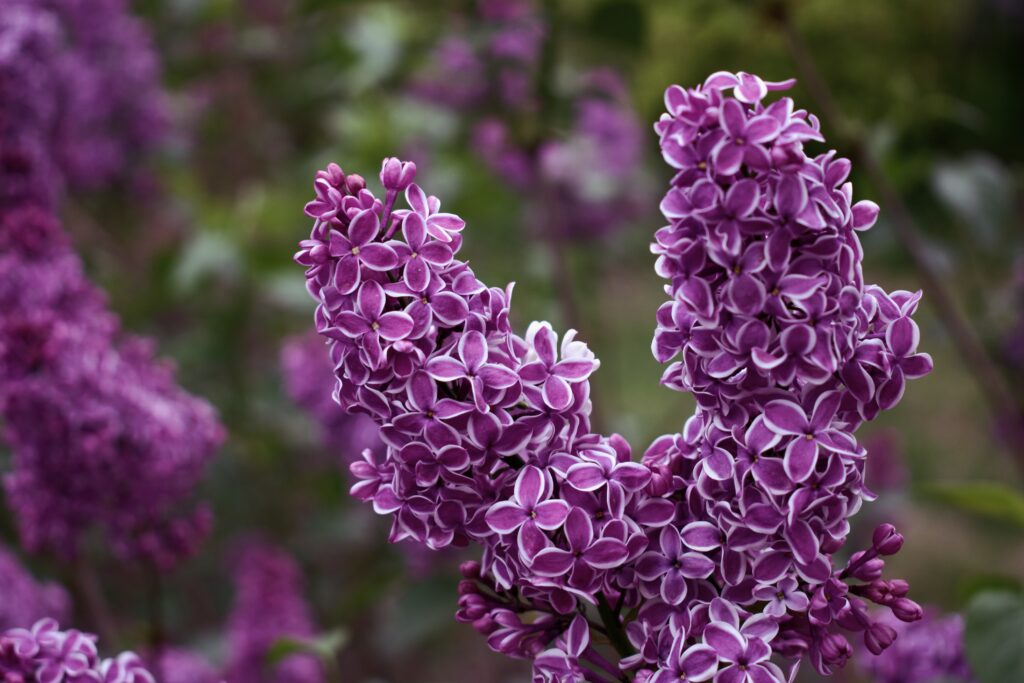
[
  {"x": 531, "y": 505},
  {"x": 357, "y": 249},
  {"x": 553, "y": 375},
  {"x": 670, "y": 566},
  {"x": 807, "y": 435},
  {"x": 472, "y": 365},
  {"x": 371, "y": 326},
  {"x": 585, "y": 552},
  {"x": 693, "y": 664}
]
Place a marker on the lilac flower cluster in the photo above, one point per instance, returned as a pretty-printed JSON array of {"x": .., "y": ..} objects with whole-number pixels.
[
  {"x": 308, "y": 379},
  {"x": 100, "y": 431},
  {"x": 26, "y": 600},
  {"x": 80, "y": 95},
  {"x": 588, "y": 181},
  {"x": 715, "y": 551},
  {"x": 268, "y": 606},
  {"x": 926, "y": 651},
  {"x": 45, "y": 654}
]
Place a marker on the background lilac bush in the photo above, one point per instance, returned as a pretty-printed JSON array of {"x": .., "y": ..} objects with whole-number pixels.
[{"x": 166, "y": 149}]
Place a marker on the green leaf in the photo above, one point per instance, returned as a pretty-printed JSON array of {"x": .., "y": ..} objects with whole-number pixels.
[
  {"x": 988, "y": 500},
  {"x": 325, "y": 646},
  {"x": 995, "y": 637}
]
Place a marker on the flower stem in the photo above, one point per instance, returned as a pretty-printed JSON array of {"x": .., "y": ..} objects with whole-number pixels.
[
  {"x": 1005, "y": 407},
  {"x": 613, "y": 625}
]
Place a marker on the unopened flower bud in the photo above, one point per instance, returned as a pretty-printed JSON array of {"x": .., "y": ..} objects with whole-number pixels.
[
  {"x": 906, "y": 609},
  {"x": 887, "y": 540},
  {"x": 470, "y": 569},
  {"x": 396, "y": 174}
]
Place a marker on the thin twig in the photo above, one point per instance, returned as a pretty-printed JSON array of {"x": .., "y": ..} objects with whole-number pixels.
[{"x": 990, "y": 380}]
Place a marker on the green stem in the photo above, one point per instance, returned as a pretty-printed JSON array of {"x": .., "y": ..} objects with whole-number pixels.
[{"x": 613, "y": 625}]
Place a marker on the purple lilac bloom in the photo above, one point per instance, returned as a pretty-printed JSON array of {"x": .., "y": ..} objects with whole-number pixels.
[
  {"x": 268, "y": 606},
  {"x": 308, "y": 377},
  {"x": 80, "y": 95},
  {"x": 723, "y": 534},
  {"x": 27, "y": 600},
  {"x": 926, "y": 651},
  {"x": 586, "y": 181},
  {"x": 45, "y": 654},
  {"x": 99, "y": 431}
]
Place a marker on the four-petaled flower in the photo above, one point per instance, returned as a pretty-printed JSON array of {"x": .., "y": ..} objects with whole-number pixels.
[
  {"x": 371, "y": 324},
  {"x": 673, "y": 566},
  {"x": 359, "y": 250},
  {"x": 584, "y": 555},
  {"x": 786, "y": 418},
  {"x": 530, "y": 509},
  {"x": 555, "y": 376},
  {"x": 473, "y": 367}
]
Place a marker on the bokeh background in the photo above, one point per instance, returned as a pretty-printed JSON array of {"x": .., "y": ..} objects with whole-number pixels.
[{"x": 262, "y": 93}]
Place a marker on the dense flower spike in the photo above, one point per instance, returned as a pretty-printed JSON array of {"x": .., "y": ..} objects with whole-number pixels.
[
  {"x": 80, "y": 95},
  {"x": 268, "y": 606},
  {"x": 715, "y": 551},
  {"x": 45, "y": 654},
  {"x": 102, "y": 435},
  {"x": 584, "y": 182},
  {"x": 925, "y": 651},
  {"x": 26, "y": 600}
]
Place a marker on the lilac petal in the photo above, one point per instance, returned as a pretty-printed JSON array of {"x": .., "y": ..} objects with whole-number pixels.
[
  {"x": 574, "y": 370},
  {"x": 825, "y": 410},
  {"x": 363, "y": 228},
  {"x": 759, "y": 674},
  {"x": 544, "y": 344},
  {"x": 346, "y": 275},
  {"x": 670, "y": 543},
  {"x": 865, "y": 213},
  {"x": 696, "y": 566},
  {"x": 918, "y": 365},
  {"x": 632, "y": 475},
  {"x": 586, "y": 476},
  {"x": 533, "y": 373},
  {"x": 445, "y": 369},
  {"x": 551, "y": 514},
  {"x": 606, "y": 553},
  {"x": 726, "y": 640},
  {"x": 436, "y": 253},
  {"x": 771, "y": 474},
  {"x": 673, "y": 587},
  {"x": 699, "y": 662},
  {"x": 785, "y": 417},
  {"x": 394, "y": 325},
  {"x": 414, "y": 227},
  {"x": 790, "y": 195},
  {"x": 379, "y": 257},
  {"x": 902, "y": 337},
  {"x": 801, "y": 457},
  {"x": 530, "y": 487},
  {"x": 579, "y": 530},
  {"x": 746, "y": 294},
  {"x": 451, "y": 308},
  {"x": 719, "y": 464},
  {"x": 727, "y": 157},
  {"x": 742, "y": 198},
  {"x": 798, "y": 340},
  {"x": 498, "y": 376},
  {"x": 759, "y": 438},
  {"x": 371, "y": 300},
  {"x": 761, "y": 129},
  {"x": 577, "y": 638},
  {"x": 417, "y": 199},
  {"x": 552, "y": 562},
  {"x": 803, "y": 541},
  {"x": 557, "y": 394},
  {"x": 651, "y": 565},
  {"x": 696, "y": 293},
  {"x": 440, "y": 224},
  {"x": 416, "y": 274},
  {"x": 702, "y": 536},
  {"x": 732, "y": 118},
  {"x": 454, "y": 458},
  {"x": 505, "y": 517},
  {"x": 473, "y": 350},
  {"x": 771, "y": 567},
  {"x": 351, "y": 324},
  {"x": 731, "y": 674}
]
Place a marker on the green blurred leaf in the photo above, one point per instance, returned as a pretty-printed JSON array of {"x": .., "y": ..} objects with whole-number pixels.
[
  {"x": 623, "y": 22},
  {"x": 995, "y": 637},
  {"x": 325, "y": 646},
  {"x": 988, "y": 500}
]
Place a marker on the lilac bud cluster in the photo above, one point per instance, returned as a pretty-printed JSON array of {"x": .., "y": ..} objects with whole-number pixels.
[
  {"x": 309, "y": 382},
  {"x": 715, "y": 551},
  {"x": 925, "y": 651},
  {"x": 80, "y": 95},
  {"x": 99, "y": 430},
  {"x": 588, "y": 180},
  {"x": 45, "y": 654},
  {"x": 26, "y": 600},
  {"x": 268, "y": 606}
]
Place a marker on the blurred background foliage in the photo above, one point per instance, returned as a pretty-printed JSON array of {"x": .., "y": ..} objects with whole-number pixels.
[{"x": 267, "y": 91}]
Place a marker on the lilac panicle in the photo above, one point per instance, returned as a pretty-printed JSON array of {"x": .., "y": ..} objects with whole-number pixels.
[
  {"x": 100, "y": 432},
  {"x": 80, "y": 96},
  {"x": 42, "y": 653},
  {"x": 715, "y": 551},
  {"x": 26, "y": 600},
  {"x": 925, "y": 651},
  {"x": 268, "y": 606}
]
